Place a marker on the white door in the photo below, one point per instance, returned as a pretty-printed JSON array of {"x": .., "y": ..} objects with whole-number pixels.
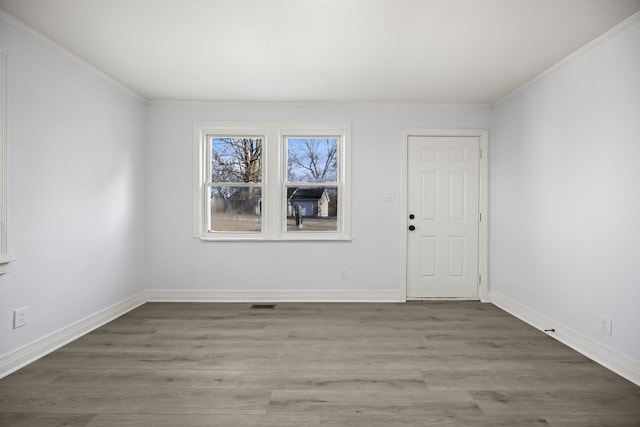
[{"x": 443, "y": 174}]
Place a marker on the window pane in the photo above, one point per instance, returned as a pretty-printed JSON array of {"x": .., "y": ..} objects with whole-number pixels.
[
  {"x": 236, "y": 159},
  {"x": 312, "y": 209},
  {"x": 236, "y": 209},
  {"x": 312, "y": 159}
]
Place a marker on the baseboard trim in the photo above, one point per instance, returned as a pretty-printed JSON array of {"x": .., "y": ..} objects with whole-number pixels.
[
  {"x": 29, "y": 353},
  {"x": 201, "y": 295},
  {"x": 596, "y": 351}
]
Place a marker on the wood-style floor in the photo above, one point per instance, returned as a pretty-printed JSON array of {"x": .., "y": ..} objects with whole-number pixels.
[{"x": 414, "y": 364}]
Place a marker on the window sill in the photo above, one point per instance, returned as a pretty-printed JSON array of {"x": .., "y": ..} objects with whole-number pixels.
[
  {"x": 307, "y": 238},
  {"x": 4, "y": 264}
]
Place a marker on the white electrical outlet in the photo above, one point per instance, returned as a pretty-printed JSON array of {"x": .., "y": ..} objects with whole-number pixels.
[
  {"x": 344, "y": 273},
  {"x": 606, "y": 325},
  {"x": 20, "y": 317}
]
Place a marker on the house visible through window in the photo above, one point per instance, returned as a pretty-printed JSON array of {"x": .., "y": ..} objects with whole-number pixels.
[
  {"x": 271, "y": 181},
  {"x": 312, "y": 161}
]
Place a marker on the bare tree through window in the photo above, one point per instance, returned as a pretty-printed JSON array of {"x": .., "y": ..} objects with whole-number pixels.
[
  {"x": 312, "y": 159},
  {"x": 236, "y": 160},
  {"x": 236, "y": 207}
]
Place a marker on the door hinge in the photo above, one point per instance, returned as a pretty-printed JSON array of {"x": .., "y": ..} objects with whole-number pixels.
[
  {"x": 481, "y": 153},
  {"x": 480, "y": 216},
  {"x": 479, "y": 280}
]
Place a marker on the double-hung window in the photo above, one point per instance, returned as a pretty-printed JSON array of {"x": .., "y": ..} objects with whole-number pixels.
[
  {"x": 234, "y": 190},
  {"x": 271, "y": 181}
]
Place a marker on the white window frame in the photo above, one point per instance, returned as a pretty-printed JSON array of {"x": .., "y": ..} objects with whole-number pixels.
[
  {"x": 4, "y": 258},
  {"x": 274, "y": 165}
]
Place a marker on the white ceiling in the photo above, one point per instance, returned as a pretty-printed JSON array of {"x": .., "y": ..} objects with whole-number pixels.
[{"x": 399, "y": 51}]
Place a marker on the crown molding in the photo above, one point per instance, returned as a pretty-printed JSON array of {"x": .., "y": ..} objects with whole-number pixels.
[{"x": 311, "y": 104}]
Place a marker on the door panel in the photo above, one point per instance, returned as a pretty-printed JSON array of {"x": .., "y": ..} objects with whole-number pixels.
[
  {"x": 428, "y": 256},
  {"x": 457, "y": 193},
  {"x": 429, "y": 195},
  {"x": 456, "y": 256},
  {"x": 443, "y": 194}
]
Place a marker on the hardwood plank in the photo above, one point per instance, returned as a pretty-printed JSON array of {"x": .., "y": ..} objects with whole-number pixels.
[
  {"x": 222, "y": 323},
  {"x": 105, "y": 340},
  {"x": 37, "y": 419},
  {"x": 32, "y": 375},
  {"x": 594, "y": 420},
  {"x": 441, "y": 403},
  {"x": 523, "y": 380},
  {"x": 457, "y": 419},
  {"x": 143, "y": 378},
  {"x": 182, "y": 358},
  {"x": 188, "y": 310},
  {"x": 341, "y": 361},
  {"x": 281, "y": 346},
  {"x": 172, "y": 334},
  {"x": 342, "y": 344},
  {"x": 520, "y": 347},
  {"x": 131, "y": 401},
  {"x": 475, "y": 362},
  {"x": 305, "y": 379},
  {"x": 176, "y": 420},
  {"x": 560, "y": 403},
  {"x": 475, "y": 334}
]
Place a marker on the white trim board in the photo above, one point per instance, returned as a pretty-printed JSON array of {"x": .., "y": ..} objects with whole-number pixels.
[
  {"x": 599, "y": 353},
  {"x": 29, "y": 353},
  {"x": 203, "y": 295},
  {"x": 4, "y": 258}
]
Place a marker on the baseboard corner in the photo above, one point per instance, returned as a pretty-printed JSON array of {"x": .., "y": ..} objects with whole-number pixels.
[
  {"x": 14, "y": 360},
  {"x": 594, "y": 350}
]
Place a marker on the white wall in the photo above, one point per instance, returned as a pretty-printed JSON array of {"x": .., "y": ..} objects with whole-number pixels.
[
  {"x": 180, "y": 262},
  {"x": 565, "y": 194},
  {"x": 76, "y": 180}
]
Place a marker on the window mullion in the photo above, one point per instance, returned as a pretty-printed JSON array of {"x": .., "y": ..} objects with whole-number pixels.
[{"x": 272, "y": 180}]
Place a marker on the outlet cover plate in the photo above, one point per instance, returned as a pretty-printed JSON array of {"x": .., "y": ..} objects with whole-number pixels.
[
  {"x": 606, "y": 325},
  {"x": 20, "y": 317}
]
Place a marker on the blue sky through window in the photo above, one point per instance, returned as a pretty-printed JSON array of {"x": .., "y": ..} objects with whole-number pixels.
[{"x": 312, "y": 159}]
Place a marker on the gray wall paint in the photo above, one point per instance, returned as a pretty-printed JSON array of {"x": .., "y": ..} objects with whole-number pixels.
[
  {"x": 76, "y": 180},
  {"x": 565, "y": 194},
  {"x": 179, "y": 261}
]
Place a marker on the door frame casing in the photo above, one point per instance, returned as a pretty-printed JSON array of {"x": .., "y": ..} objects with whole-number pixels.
[{"x": 483, "y": 202}]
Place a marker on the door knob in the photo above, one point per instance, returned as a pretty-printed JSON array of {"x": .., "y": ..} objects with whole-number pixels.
[
  {"x": 412, "y": 216},
  {"x": 412, "y": 227}
]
